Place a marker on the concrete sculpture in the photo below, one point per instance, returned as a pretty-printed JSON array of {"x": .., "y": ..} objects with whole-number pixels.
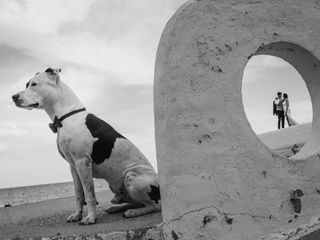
[{"x": 218, "y": 180}]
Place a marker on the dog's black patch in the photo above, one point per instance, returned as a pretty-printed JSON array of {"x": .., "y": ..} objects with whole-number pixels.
[
  {"x": 106, "y": 135},
  {"x": 155, "y": 193}
]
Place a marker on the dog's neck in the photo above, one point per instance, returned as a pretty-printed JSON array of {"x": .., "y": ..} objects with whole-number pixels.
[{"x": 67, "y": 102}]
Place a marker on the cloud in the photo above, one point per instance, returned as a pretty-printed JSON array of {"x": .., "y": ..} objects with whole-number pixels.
[
  {"x": 16, "y": 129},
  {"x": 3, "y": 148},
  {"x": 123, "y": 19},
  {"x": 260, "y": 64},
  {"x": 125, "y": 61},
  {"x": 301, "y": 111},
  {"x": 39, "y": 16},
  {"x": 87, "y": 83},
  {"x": 268, "y": 61},
  {"x": 111, "y": 36}
]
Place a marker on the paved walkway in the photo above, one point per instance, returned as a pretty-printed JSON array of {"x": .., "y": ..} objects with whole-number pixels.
[{"x": 47, "y": 219}]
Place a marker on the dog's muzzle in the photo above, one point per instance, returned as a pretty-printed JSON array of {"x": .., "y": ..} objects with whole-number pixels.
[
  {"x": 18, "y": 101},
  {"x": 15, "y": 97}
]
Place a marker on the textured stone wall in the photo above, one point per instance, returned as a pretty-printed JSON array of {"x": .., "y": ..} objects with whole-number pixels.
[{"x": 218, "y": 181}]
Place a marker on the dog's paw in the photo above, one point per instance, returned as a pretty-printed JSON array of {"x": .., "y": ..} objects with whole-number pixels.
[
  {"x": 114, "y": 209},
  {"x": 130, "y": 213},
  {"x": 88, "y": 221},
  {"x": 111, "y": 210},
  {"x": 75, "y": 217}
]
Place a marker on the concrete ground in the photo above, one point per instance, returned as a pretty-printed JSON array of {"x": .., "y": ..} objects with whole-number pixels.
[{"x": 47, "y": 219}]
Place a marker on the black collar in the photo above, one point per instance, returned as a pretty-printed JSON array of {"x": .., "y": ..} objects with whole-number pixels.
[{"x": 57, "y": 121}]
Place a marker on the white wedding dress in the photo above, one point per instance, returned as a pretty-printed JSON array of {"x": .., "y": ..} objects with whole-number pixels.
[{"x": 287, "y": 113}]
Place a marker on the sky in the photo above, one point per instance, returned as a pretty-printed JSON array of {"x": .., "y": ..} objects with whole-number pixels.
[
  {"x": 263, "y": 77},
  {"x": 106, "y": 50}
]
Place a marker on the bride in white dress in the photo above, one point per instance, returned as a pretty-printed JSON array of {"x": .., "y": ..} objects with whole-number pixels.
[{"x": 287, "y": 112}]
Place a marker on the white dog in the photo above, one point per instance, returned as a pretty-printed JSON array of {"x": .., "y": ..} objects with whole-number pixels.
[{"x": 93, "y": 149}]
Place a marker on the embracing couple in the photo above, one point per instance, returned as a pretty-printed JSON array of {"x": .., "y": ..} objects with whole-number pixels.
[{"x": 282, "y": 110}]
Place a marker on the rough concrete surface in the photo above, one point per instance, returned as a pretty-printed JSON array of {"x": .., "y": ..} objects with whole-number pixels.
[
  {"x": 218, "y": 180},
  {"x": 47, "y": 220}
]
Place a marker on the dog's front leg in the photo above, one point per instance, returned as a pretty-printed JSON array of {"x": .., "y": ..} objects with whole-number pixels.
[
  {"x": 84, "y": 170},
  {"x": 77, "y": 215}
]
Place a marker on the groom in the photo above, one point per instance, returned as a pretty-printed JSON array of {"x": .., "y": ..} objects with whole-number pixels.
[{"x": 278, "y": 109}]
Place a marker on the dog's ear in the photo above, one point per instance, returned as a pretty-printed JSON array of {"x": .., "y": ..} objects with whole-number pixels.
[{"x": 53, "y": 73}]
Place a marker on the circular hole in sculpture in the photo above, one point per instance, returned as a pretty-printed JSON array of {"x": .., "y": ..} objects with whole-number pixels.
[{"x": 282, "y": 123}]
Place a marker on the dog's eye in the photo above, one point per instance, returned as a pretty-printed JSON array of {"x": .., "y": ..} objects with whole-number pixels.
[{"x": 33, "y": 84}]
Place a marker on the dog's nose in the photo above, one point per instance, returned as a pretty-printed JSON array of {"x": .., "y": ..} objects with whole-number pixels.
[{"x": 15, "y": 97}]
